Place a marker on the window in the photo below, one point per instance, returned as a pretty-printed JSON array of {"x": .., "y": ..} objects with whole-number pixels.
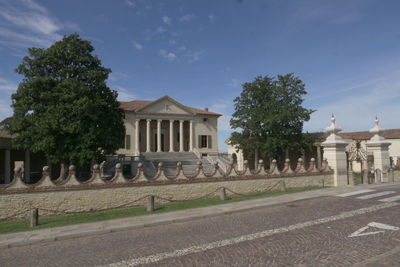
[
  {"x": 204, "y": 141},
  {"x": 204, "y": 119}
]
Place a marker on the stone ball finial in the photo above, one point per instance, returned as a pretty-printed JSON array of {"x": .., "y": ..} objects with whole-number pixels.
[
  {"x": 18, "y": 169},
  {"x": 199, "y": 163},
  {"x": 179, "y": 164},
  {"x": 118, "y": 166},
  {"x": 160, "y": 165},
  {"x": 274, "y": 161},
  {"x": 287, "y": 160},
  {"x": 312, "y": 160},
  {"x": 246, "y": 161},
  {"x": 300, "y": 160},
  {"x": 140, "y": 165},
  {"x": 46, "y": 168},
  {"x": 71, "y": 168},
  {"x": 260, "y": 161},
  {"x": 216, "y": 163},
  {"x": 96, "y": 167}
]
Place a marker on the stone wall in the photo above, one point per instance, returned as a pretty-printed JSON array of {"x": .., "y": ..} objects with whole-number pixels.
[
  {"x": 396, "y": 176},
  {"x": 71, "y": 196}
]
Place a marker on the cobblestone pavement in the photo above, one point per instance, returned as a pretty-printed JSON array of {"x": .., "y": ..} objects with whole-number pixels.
[{"x": 313, "y": 232}]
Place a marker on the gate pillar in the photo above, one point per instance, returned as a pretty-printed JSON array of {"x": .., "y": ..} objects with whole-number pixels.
[
  {"x": 379, "y": 147},
  {"x": 334, "y": 151}
]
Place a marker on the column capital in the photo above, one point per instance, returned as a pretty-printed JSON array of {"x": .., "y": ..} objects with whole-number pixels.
[
  {"x": 148, "y": 120},
  {"x": 159, "y": 120},
  {"x": 172, "y": 120},
  {"x": 181, "y": 121}
]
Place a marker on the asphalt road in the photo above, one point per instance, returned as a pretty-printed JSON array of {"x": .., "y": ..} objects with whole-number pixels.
[{"x": 362, "y": 229}]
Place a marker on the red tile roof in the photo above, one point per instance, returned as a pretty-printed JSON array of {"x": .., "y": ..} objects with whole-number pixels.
[
  {"x": 139, "y": 104},
  {"x": 5, "y": 134}
]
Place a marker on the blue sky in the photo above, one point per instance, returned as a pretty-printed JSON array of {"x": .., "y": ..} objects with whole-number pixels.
[{"x": 199, "y": 52}]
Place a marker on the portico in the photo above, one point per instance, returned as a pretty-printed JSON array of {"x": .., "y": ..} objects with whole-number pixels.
[
  {"x": 164, "y": 125},
  {"x": 163, "y": 135}
]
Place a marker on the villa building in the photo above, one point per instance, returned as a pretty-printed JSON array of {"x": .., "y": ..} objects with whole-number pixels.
[{"x": 165, "y": 125}]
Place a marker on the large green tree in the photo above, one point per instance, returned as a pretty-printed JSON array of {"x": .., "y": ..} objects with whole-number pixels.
[
  {"x": 269, "y": 116},
  {"x": 63, "y": 106}
]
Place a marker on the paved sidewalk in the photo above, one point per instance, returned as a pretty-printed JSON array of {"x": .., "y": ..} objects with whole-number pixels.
[{"x": 103, "y": 227}]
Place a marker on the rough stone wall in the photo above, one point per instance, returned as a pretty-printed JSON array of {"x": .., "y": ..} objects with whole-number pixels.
[{"x": 17, "y": 205}]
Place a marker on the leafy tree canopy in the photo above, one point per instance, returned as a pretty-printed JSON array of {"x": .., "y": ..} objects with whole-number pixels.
[
  {"x": 63, "y": 106},
  {"x": 269, "y": 116}
]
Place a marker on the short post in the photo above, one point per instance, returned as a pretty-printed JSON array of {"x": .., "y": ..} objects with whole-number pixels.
[
  {"x": 34, "y": 217},
  {"x": 222, "y": 193},
  {"x": 150, "y": 203}
]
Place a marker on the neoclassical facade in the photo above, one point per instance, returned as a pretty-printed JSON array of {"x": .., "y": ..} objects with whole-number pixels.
[{"x": 165, "y": 125}]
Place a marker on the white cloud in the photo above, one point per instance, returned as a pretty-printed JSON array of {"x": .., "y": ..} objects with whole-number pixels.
[
  {"x": 25, "y": 23},
  {"x": 356, "y": 110},
  {"x": 6, "y": 85},
  {"x": 187, "y": 17},
  {"x": 124, "y": 94},
  {"x": 167, "y": 20},
  {"x": 161, "y": 29},
  {"x": 34, "y": 21},
  {"x": 193, "y": 56},
  {"x": 212, "y": 18},
  {"x": 118, "y": 76},
  {"x": 130, "y": 3},
  {"x": 7, "y": 88},
  {"x": 235, "y": 83},
  {"x": 167, "y": 55},
  {"x": 137, "y": 45},
  {"x": 34, "y": 6}
]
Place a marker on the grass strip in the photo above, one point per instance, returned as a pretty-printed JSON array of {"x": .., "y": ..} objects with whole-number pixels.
[{"x": 56, "y": 221}]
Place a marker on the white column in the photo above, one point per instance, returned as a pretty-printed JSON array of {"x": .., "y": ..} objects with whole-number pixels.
[
  {"x": 159, "y": 135},
  {"x": 181, "y": 136},
  {"x": 137, "y": 150},
  {"x": 148, "y": 135},
  {"x": 7, "y": 166},
  {"x": 191, "y": 136},
  {"x": 171, "y": 135},
  {"x": 27, "y": 166},
  {"x": 334, "y": 152}
]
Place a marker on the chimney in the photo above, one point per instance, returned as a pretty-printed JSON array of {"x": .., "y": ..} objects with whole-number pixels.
[{"x": 206, "y": 109}]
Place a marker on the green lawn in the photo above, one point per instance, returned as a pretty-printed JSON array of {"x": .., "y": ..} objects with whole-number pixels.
[{"x": 54, "y": 221}]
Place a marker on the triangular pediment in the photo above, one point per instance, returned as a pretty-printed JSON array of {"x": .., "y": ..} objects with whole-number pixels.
[{"x": 165, "y": 105}]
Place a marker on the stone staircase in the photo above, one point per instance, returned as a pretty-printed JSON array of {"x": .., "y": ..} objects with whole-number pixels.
[
  {"x": 170, "y": 159},
  {"x": 150, "y": 162}
]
